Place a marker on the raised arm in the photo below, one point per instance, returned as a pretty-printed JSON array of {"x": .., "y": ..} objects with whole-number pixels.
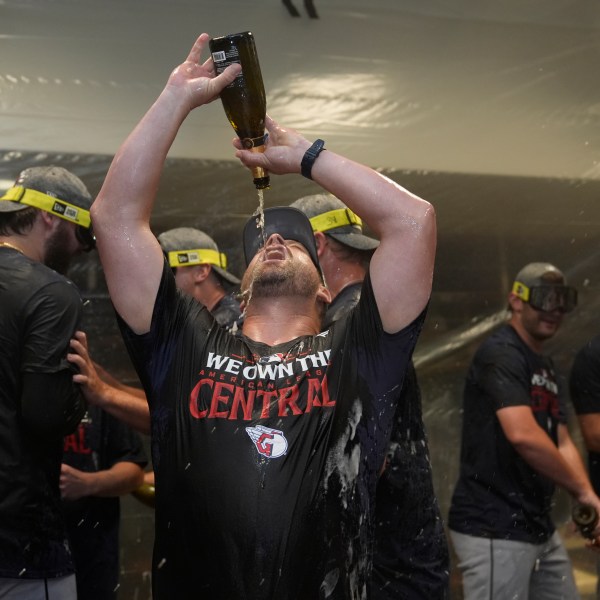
[
  {"x": 130, "y": 254},
  {"x": 402, "y": 266}
]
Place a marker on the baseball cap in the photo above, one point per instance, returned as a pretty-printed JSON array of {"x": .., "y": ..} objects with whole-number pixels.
[
  {"x": 544, "y": 287},
  {"x": 290, "y": 223},
  {"x": 187, "y": 246},
  {"x": 54, "y": 190},
  {"x": 330, "y": 215}
]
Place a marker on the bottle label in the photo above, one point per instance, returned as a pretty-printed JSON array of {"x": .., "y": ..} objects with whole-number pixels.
[
  {"x": 223, "y": 58},
  {"x": 218, "y": 56}
]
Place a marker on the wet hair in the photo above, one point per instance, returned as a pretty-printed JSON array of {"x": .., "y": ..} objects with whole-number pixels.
[{"x": 19, "y": 222}]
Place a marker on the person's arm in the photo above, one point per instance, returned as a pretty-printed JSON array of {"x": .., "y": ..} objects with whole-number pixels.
[
  {"x": 105, "y": 376},
  {"x": 51, "y": 406},
  {"x": 584, "y": 386},
  {"x": 561, "y": 465},
  {"x": 121, "y": 478},
  {"x": 589, "y": 424},
  {"x": 129, "y": 408},
  {"x": 401, "y": 268},
  {"x": 130, "y": 254}
]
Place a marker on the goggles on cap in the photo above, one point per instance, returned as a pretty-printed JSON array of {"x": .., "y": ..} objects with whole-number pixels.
[
  {"x": 61, "y": 208},
  {"x": 334, "y": 219},
  {"x": 547, "y": 297},
  {"x": 200, "y": 256}
]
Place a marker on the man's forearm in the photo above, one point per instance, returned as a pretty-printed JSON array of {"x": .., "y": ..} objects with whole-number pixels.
[
  {"x": 128, "y": 408},
  {"x": 544, "y": 457}
]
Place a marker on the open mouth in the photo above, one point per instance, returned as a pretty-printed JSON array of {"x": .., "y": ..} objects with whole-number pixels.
[{"x": 275, "y": 252}]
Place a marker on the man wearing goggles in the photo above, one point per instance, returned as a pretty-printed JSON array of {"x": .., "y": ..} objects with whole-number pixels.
[
  {"x": 515, "y": 449},
  {"x": 44, "y": 222},
  {"x": 547, "y": 298}
]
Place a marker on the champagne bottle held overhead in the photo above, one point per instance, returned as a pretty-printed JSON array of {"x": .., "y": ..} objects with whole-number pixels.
[{"x": 244, "y": 99}]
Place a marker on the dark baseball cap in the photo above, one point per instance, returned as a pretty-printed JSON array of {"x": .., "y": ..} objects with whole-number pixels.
[
  {"x": 54, "y": 190},
  {"x": 544, "y": 287},
  {"x": 187, "y": 246},
  {"x": 330, "y": 215},
  {"x": 290, "y": 223}
]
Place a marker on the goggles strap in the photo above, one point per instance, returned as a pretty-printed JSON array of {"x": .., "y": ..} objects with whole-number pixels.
[
  {"x": 198, "y": 256},
  {"x": 60, "y": 208},
  {"x": 335, "y": 218}
]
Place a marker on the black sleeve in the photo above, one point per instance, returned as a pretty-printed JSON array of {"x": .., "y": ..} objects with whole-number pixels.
[
  {"x": 122, "y": 444},
  {"x": 584, "y": 382},
  {"x": 51, "y": 404}
]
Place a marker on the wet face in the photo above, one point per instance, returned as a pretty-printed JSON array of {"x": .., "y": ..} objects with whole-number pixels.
[
  {"x": 61, "y": 246},
  {"x": 281, "y": 268}
]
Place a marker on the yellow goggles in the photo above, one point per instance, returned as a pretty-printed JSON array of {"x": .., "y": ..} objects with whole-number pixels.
[
  {"x": 199, "y": 256},
  {"x": 60, "y": 208},
  {"x": 335, "y": 218}
]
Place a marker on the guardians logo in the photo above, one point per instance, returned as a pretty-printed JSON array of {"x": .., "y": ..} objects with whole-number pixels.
[{"x": 233, "y": 388}]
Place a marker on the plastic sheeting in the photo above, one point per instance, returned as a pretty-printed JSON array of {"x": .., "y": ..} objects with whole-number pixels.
[
  {"x": 461, "y": 86},
  {"x": 489, "y": 110}
]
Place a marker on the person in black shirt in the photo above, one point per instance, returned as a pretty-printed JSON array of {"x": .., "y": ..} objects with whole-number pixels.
[
  {"x": 515, "y": 448},
  {"x": 584, "y": 384},
  {"x": 201, "y": 271},
  {"x": 102, "y": 460},
  {"x": 411, "y": 558},
  {"x": 44, "y": 223},
  {"x": 266, "y": 445}
]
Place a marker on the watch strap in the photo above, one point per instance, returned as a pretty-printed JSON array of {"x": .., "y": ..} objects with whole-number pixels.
[{"x": 308, "y": 160}]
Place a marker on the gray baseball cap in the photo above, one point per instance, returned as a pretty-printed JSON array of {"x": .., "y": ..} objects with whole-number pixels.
[
  {"x": 187, "y": 246},
  {"x": 330, "y": 215},
  {"x": 539, "y": 273},
  {"x": 53, "y": 181}
]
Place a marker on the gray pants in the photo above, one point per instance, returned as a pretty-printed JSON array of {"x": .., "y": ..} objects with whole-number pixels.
[
  {"x": 495, "y": 569},
  {"x": 60, "y": 588}
]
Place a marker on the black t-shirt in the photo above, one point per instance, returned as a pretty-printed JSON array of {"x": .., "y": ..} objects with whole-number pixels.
[
  {"x": 344, "y": 302},
  {"x": 498, "y": 494},
  {"x": 411, "y": 558},
  {"x": 39, "y": 312},
  {"x": 584, "y": 385},
  {"x": 99, "y": 442},
  {"x": 266, "y": 458},
  {"x": 227, "y": 312}
]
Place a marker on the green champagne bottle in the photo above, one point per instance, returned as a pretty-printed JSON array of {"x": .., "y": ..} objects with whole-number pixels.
[
  {"x": 244, "y": 99},
  {"x": 586, "y": 519}
]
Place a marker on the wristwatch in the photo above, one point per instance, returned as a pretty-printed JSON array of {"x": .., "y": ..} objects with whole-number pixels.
[{"x": 308, "y": 160}]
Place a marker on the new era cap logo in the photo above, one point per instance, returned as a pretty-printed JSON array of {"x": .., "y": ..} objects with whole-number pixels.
[
  {"x": 187, "y": 257},
  {"x": 63, "y": 209}
]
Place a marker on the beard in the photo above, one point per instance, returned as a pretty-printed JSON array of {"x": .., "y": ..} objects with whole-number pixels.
[
  {"x": 58, "y": 251},
  {"x": 284, "y": 280}
]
